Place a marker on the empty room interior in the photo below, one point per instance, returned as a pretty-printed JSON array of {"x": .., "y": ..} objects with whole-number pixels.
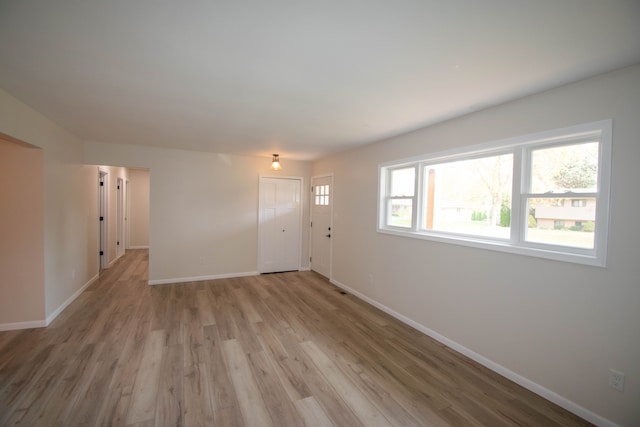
[{"x": 320, "y": 213}]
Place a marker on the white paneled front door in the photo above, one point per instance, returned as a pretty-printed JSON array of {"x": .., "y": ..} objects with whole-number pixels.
[{"x": 280, "y": 221}]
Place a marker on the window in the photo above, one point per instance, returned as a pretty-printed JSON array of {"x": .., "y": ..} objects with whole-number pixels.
[
  {"x": 322, "y": 195},
  {"x": 466, "y": 196},
  {"x": 543, "y": 195},
  {"x": 402, "y": 184}
]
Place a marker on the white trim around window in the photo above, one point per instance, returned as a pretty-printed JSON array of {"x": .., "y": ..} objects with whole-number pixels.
[{"x": 544, "y": 195}]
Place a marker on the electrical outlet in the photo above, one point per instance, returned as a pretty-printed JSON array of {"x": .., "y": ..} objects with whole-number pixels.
[{"x": 616, "y": 380}]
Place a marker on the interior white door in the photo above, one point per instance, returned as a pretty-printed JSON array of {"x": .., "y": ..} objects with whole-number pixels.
[
  {"x": 103, "y": 185},
  {"x": 127, "y": 214},
  {"x": 279, "y": 224},
  {"x": 321, "y": 222},
  {"x": 119, "y": 217}
]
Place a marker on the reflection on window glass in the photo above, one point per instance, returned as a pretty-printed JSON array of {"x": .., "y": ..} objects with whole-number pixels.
[{"x": 469, "y": 196}]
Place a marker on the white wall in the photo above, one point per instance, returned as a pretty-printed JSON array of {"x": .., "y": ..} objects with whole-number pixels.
[
  {"x": 203, "y": 208},
  {"x": 70, "y": 209},
  {"x": 139, "y": 208},
  {"x": 22, "y": 235},
  {"x": 560, "y": 325}
]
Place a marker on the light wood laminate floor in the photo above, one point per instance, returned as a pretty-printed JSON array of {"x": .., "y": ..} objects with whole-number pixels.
[{"x": 284, "y": 349}]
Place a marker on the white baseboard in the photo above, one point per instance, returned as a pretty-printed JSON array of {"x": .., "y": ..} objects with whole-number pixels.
[
  {"x": 69, "y": 300},
  {"x": 44, "y": 323},
  {"x": 201, "y": 278},
  {"x": 22, "y": 325},
  {"x": 507, "y": 373},
  {"x": 138, "y": 247}
]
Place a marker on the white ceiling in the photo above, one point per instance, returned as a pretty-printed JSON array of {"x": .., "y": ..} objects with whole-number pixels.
[{"x": 300, "y": 77}]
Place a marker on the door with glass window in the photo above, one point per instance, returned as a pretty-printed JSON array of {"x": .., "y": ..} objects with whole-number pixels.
[{"x": 321, "y": 220}]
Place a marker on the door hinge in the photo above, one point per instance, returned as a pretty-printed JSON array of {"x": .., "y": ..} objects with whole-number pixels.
[
  {"x": 311, "y": 224},
  {"x": 117, "y": 243},
  {"x": 118, "y": 187},
  {"x": 101, "y": 253},
  {"x": 101, "y": 218},
  {"x": 310, "y": 259}
]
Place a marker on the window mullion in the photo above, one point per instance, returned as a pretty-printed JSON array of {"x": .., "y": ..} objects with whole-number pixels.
[
  {"x": 387, "y": 204},
  {"x": 386, "y": 208},
  {"x": 518, "y": 217},
  {"x": 417, "y": 199}
]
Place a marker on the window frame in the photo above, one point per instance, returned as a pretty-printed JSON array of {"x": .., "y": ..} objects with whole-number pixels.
[
  {"x": 521, "y": 147},
  {"x": 414, "y": 198}
]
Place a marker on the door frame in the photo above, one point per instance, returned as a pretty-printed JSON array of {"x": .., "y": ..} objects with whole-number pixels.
[
  {"x": 300, "y": 214},
  {"x": 332, "y": 199},
  {"x": 103, "y": 224},
  {"x": 127, "y": 214},
  {"x": 120, "y": 209}
]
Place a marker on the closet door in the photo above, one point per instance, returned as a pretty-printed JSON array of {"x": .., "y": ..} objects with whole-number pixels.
[{"x": 279, "y": 224}]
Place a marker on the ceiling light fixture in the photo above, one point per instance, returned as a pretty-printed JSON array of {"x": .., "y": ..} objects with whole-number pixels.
[{"x": 275, "y": 163}]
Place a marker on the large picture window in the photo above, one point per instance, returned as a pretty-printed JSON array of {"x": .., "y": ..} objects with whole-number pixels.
[{"x": 543, "y": 195}]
